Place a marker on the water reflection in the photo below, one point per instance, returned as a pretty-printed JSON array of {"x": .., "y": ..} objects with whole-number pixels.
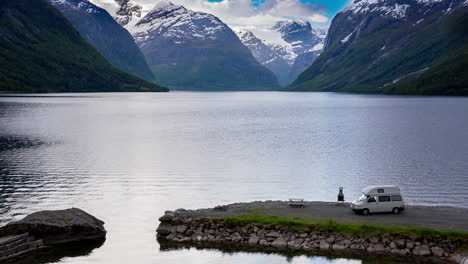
[
  {"x": 317, "y": 257},
  {"x": 61, "y": 253}
]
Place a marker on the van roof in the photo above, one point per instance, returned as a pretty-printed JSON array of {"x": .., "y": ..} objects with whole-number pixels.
[{"x": 373, "y": 187}]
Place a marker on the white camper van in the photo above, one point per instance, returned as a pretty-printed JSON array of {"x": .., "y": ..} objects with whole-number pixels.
[{"x": 376, "y": 199}]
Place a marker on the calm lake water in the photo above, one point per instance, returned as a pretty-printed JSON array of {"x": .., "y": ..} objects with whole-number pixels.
[{"x": 126, "y": 158}]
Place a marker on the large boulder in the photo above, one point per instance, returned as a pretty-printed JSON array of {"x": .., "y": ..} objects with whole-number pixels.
[
  {"x": 253, "y": 239},
  {"x": 437, "y": 251},
  {"x": 421, "y": 251},
  {"x": 280, "y": 242},
  {"x": 165, "y": 229},
  {"x": 324, "y": 245},
  {"x": 58, "y": 227}
]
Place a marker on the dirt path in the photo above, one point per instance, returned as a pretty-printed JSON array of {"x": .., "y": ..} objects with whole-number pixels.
[{"x": 447, "y": 218}]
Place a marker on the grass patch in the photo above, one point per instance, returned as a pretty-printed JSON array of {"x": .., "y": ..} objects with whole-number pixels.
[{"x": 301, "y": 224}]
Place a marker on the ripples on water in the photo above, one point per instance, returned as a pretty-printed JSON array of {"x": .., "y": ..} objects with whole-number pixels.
[{"x": 128, "y": 157}]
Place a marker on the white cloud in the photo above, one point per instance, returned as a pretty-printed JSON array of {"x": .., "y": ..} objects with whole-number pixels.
[{"x": 242, "y": 14}]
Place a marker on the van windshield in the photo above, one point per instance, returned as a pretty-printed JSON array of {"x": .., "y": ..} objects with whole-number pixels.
[{"x": 362, "y": 198}]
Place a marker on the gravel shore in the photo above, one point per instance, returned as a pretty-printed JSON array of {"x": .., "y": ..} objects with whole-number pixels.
[{"x": 447, "y": 218}]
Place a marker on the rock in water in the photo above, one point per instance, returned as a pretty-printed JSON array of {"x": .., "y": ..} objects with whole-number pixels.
[
  {"x": 165, "y": 229},
  {"x": 59, "y": 226}
]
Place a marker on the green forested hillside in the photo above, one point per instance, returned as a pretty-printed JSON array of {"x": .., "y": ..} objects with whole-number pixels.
[
  {"x": 449, "y": 77},
  {"x": 392, "y": 56},
  {"x": 40, "y": 51},
  {"x": 211, "y": 66}
]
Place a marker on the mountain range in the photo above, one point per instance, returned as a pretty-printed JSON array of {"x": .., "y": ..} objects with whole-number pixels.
[
  {"x": 393, "y": 46},
  {"x": 41, "y": 51},
  {"x": 372, "y": 46},
  {"x": 188, "y": 50}
]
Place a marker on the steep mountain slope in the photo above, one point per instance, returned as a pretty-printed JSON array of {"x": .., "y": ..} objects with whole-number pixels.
[
  {"x": 373, "y": 45},
  {"x": 40, "y": 51},
  {"x": 449, "y": 77},
  {"x": 196, "y": 51},
  {"x": 304, "y": 60},
  {"x": 106, "y": 35},
  {"x": 298, "y": 46}
]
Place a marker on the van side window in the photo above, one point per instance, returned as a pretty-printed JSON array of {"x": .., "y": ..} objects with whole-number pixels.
[
  {"x": 380, "y": 191},
  {"x": 396, "y": 198},
  {"x": 371, "y": 200},
  {"x": 384, "y": 198}
]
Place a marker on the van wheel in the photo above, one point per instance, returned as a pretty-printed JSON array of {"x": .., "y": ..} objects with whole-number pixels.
[
  {"x": 396, "y": 210},
  {"x": 365, "y": 211}
]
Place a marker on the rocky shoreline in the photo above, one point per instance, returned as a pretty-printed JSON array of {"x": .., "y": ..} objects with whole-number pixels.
[
  {"x": 48, "y": 229},
  {"x": 203, "y": 226}
]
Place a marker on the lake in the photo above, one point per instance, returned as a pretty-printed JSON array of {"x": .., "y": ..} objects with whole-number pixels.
[{"x": 126, "y": 158}]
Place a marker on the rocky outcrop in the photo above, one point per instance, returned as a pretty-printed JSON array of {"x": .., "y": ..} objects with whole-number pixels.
[
  {"x": 182, "y": 227},
  {"x": 58, "y": 227}
]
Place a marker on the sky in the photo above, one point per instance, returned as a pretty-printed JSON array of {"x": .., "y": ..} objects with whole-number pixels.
[
  {"x": 254, "y": 15},
  {"x": 244, "y": 12}
]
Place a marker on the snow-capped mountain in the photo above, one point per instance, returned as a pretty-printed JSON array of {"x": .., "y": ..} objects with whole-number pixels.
[
  {"x": 297, "y": 49},
  {"x": 363, "y": 17},
  {"x": 194, "y": 50},
  {"x": 282, "y": 43},
  {"x": 113, "y": 41},
  {"x": 179, "y": 24},
  {"x": 373, "y": 45},
  {"x": 300, "y": 35}
]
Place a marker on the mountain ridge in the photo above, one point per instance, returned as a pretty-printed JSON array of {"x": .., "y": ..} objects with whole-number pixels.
[{"x": 374, "y": 44}]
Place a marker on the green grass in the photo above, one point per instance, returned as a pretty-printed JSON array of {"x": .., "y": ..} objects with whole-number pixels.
[{"x": 301, "y": 224}]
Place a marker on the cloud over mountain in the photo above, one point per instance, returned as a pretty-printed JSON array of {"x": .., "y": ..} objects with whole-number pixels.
[{"x": 242, "y": 13}]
